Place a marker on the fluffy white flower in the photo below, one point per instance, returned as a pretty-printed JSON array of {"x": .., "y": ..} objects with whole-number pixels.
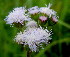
[
  {"x": 31, "y": 24},
  {"x": 46, "y": 10},
  {"x": 33, "y": 10},
  {"x": 18, "y": 15},
  {"x": 33, "y": 38}
]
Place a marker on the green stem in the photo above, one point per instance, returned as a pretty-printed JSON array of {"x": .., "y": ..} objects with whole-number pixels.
[
  {"x": 25, "y": 52},
  {"x": 28, "y": 53}
]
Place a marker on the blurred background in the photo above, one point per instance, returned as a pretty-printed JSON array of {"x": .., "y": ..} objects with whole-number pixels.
[{"x": 60, "y": 44}]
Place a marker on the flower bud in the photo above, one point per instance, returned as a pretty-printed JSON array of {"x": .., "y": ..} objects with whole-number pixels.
[
  {"x": 54, "y": 19},
  {"x": 43, "y": 18}
]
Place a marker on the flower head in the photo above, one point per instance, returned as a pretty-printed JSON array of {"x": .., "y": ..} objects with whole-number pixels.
[
  {"x": 46, "y": 10},
  {"x": 33, "y": 38},
  {"x": 43, "y": 18},
  {"x": 33, "y": 10},
  {"x": 18, "y": 15},
  {"x": 31, "y": 24},
  {"x": 54, "y": 19}
]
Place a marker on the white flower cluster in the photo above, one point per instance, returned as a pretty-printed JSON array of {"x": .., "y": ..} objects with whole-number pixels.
[
  {"x": 18, "y": 15},
  {"x": 45, "y": 10},
  {"x": 33, "y": 37},
  {"x": 33, "y": 10}
]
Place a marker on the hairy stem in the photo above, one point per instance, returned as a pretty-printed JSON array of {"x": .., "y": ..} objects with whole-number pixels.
[{"x": 29, "y": 53}]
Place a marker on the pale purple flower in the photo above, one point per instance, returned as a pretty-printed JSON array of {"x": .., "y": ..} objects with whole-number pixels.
[
  {"x": 46, "y": 10},
  {"x": 43, "y": 18},
  {"x": 18, "y": 15},
  {"x": 33, "y": 37},
  {"x": 33, "y": 10},
  {"x": 54, "y": 19},
  {"x": 31, "y": 24}
]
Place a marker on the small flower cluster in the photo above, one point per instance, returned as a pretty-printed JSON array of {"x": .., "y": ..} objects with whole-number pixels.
[
  {"x": 34, "y": 34},
  {"x": 18, "y": 15},
  {"x": 46, "y": 11},
  {"x": 33, "y": 37}
]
